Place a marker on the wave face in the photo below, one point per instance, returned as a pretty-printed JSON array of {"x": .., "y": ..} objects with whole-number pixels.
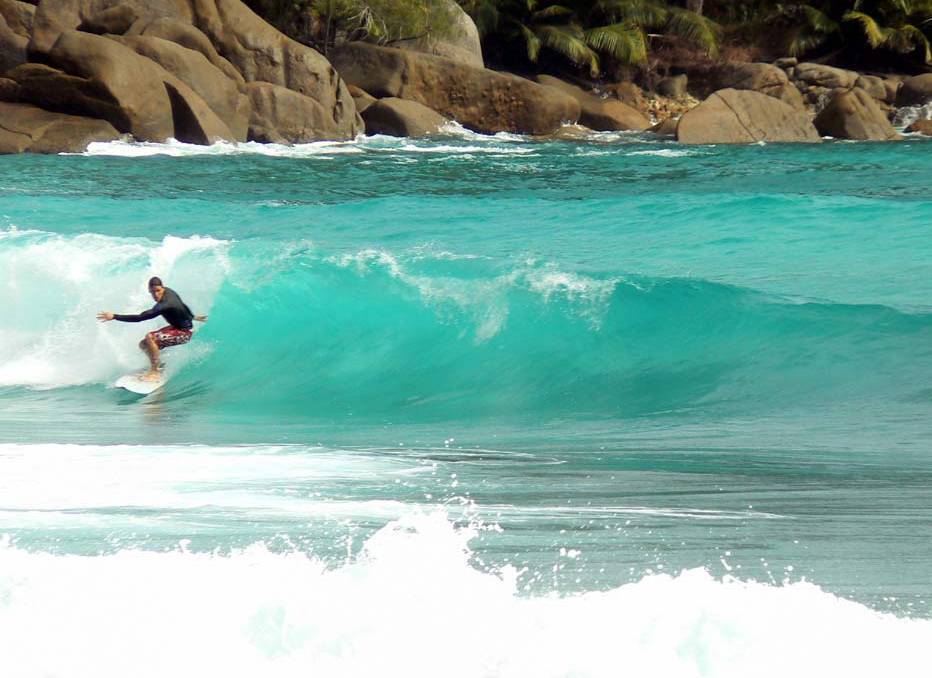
[{"x": 428, "y": 334}]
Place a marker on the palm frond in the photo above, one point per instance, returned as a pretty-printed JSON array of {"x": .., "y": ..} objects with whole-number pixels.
[
  {"x": 817, "y": 20},
  {"x": 644, "y": 12},
  {"x": 695, "y": 28},
  {"x": 799, "y": 41},
  {"x": 552, "y": 11},
  {"x": 570, "y": 42},
  {"x": 531, "y": 40},
  {"x": 625, "y": 42},
  {"x": 907, "y": 38},
  {"x": 874, "y": 33}
]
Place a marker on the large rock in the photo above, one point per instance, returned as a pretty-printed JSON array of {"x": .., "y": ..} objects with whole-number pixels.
[
  {"x": 12, "y": 47},
  {"x": 666, "y": 127},
  {"x": 253, "y": 50},
  {"x": 53, "y": 17},
  {"x": 854, "y": 114},
  {"x": 98, "y": 77},
  {"x": 18, "y": 16},
  {"x": 480, "y": 99},
  {"x": 461, "y": 43},
  {"x": 754, "y": 76},
  {"x": 402, "y": 118},
  {"x": 263, "y": 54},
  {"x": 922, "y": 127},
  {"x": 733, "y": 116},
  {"x": 191, "y": 67},
  {"x": 115, "y": 20},
  {"x": 820, "y": 75},
  {"x": 631, "y": 94},
  {"x": 873, "y": 86},
  {"x": 362, "y": 98},
  {"x": 915, "y": 91},
  {"x": 892, "y": 87},
  {"x": 283, "y": 116},
  {"x": 9, "y": 90},
  {"x": 128, "y": 89},
  {"x": 757, "y": 77},
  {"x": 28, "y": 128},
  {"x": 599, "y": 114},
  {"x": 186, "y": 35}
]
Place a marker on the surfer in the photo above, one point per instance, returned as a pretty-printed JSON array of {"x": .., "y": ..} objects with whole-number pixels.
[{"x": 178, "y": 331}]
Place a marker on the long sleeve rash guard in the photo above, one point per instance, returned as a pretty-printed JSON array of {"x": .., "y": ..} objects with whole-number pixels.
[{"x": 172, "y": 308}]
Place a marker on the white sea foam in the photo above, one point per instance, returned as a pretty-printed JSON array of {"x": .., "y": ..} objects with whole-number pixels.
[
  {"x": 907, "y": 115},
  {"x": 413, "y": 603},
  {"x": 55, "y": 284},
  {"x": 486, "y": 144},
  {"x": 178, "y": 149},
  {"x": 667, "y": 153}
]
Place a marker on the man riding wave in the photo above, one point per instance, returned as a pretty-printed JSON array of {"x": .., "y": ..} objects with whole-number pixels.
[{"x": 178, "y": 331}]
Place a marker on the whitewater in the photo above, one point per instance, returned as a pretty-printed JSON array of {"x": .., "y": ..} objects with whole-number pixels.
[{"x": 477, "y": 406}]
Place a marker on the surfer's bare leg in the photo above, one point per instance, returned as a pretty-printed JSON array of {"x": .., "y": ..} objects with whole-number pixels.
[{"x": 151, "y": 349}]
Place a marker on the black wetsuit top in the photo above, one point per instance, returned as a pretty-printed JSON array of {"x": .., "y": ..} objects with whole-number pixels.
[{"x": 175, "y": 311}]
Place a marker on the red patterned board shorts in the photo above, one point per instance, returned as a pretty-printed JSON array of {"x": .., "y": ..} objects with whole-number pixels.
[{"x": 171, "y": 336}]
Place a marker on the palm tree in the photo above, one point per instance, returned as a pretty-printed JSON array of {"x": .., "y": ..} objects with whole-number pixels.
[
  {"x": 895, "y": 25},
  {"x": 586, "y": 31}
]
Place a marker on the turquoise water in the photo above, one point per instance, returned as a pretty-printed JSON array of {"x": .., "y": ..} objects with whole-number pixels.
[{"x": 482, "y": 406}]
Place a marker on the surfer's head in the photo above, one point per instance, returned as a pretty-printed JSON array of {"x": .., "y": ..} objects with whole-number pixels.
[{"x": 156, "y": 288}]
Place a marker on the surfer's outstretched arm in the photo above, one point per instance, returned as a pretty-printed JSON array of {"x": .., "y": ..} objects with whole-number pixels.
[{"x": 153, "y": 312}]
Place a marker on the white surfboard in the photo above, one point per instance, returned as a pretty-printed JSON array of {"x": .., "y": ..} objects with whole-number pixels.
[{"x": 134, "y": 384}]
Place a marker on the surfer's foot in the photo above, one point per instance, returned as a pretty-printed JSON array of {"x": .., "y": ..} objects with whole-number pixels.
[{"x": 151, "y": 375}]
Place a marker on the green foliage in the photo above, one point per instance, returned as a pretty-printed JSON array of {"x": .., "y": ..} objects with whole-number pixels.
[
  {"x": 325, "y": 22},
  {"x": 895, "y": 25},
  {"x": 900, "y": 26},
  {"x": 586, "y": 32},
  {"x": 593, "y": 34}
]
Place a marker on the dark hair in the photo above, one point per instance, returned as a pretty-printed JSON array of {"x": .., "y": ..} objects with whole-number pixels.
[{"x": 155, "y": 281}]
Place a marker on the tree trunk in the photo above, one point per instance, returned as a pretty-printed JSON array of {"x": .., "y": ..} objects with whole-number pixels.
[{"x": 694, "y": 6}]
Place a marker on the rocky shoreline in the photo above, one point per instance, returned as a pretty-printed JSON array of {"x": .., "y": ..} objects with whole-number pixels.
[{"x": 74, "y": 72}]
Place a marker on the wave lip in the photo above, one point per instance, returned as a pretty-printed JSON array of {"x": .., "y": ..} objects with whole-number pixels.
[{"x": 412, "y": 603}]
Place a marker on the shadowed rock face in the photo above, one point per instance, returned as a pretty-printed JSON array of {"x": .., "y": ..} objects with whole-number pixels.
[
  {"x": 169, "y": 68},
  {"x": 915, "y": 91},
  {"x": 402, "y": 118},
  {"x": 283, "y": 116},
  {"x": 218, "y": 91},
  {"x": 119, "y": 78},
  {"x": 27, "y": 128},
  {"x": 603, "y": 115},
  {"x": 263, "y": 54},
  {"x": 743, "y": 117},
  {"x": 56, "y": 16},
  {"x": 757, "y": 77},
  {"x": 12, "y": 47},
  {"x": 186, "y": 35},
  {"x": 480, "y": 99},
  {"x": 854, "y": 114},
  {"x": 18, "y": 16}
]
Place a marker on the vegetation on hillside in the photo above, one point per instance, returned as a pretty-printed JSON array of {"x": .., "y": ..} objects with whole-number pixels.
[
  {"x": 586, "y": 32},
  {"x": 323, "y": 23},
  {"x": 598, "y": 35},
  {"x": 858, "y": 30}
]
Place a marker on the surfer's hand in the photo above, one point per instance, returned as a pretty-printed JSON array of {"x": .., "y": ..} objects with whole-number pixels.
[
  {"x": 104, "y": 316},
  {"x": 201, "y": 318}
]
